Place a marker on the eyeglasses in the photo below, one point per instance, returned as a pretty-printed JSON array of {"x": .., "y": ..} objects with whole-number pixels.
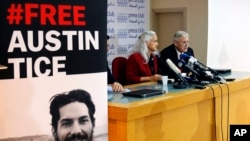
[{"x": 184, "y": 42}]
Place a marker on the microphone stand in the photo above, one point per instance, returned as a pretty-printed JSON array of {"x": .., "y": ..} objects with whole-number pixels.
[
  {"x": 216, "y": 76},
  {"x": 202, "y": 71},
  {"x": 194, "y": 74},
  {"x": 180, "y": 83}
]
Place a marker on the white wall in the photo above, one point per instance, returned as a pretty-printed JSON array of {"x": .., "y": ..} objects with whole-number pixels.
[
  {"x": 196, "y": 22},
  {"x": 228, "y": 34}
]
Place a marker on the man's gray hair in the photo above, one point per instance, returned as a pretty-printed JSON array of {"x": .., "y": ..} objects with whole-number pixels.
[{"x": 179, "y": 34}]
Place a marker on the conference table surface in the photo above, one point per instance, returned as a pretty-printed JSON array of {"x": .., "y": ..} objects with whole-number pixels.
[
  {"x": 119, "y": 99},
  {"x": 181, "y": 110}
]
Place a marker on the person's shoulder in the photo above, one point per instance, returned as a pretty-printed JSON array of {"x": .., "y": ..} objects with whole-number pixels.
[
  {"x": 167, "y": 49},
  {"x": 190, "y": 51},
  {"x": 190, "y": 48},
  {"x": 134, "y": 55}
]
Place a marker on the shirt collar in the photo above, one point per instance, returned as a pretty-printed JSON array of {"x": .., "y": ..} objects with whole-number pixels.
[{"x": 178, "y": 53}]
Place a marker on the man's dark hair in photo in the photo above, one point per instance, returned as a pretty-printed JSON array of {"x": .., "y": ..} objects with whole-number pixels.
[{"x": 62, "y": 100}]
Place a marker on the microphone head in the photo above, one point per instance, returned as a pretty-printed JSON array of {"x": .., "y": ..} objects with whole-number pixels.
[
  {"x": 181, "y": 82},
  {"x": 184, "y": 56},
  {"x": 181, "y": 63},
  {"x": 173, "y": 66}
]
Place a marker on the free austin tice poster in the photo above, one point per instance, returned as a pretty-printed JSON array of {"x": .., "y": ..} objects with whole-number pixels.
[{"x": 50, "y": 47}]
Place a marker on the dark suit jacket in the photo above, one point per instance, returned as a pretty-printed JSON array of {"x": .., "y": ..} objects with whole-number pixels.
[
  {"x": 111, "y": 79},
  {"x": 171, "y": 53}
]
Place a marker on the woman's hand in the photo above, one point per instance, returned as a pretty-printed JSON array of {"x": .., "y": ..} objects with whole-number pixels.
[
  {"x": 155, "y": 77},
  {"x": 117, "y": 87}
]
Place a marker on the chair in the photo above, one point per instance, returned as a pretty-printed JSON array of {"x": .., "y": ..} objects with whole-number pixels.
[{"x": 119, "y": 69}]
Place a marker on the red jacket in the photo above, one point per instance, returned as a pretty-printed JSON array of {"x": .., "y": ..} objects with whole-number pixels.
[{"x": 136, "y": 68}]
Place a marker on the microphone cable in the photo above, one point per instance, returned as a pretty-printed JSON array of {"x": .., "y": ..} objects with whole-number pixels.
[
  {"x": 228, "y": 106},
  {"x": 221, "y": 113},
  {"x": 214, "y": 103},
  {"x": 228, "y": 103}
]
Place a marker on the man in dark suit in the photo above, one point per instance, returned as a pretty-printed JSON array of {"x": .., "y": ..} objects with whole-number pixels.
[{"x": 180, "y": 45}]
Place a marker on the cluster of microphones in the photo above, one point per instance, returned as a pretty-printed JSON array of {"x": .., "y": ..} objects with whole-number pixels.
[{"x": 200, "y": 74}]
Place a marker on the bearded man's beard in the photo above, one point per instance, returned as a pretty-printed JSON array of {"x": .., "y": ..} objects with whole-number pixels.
[{"x": 80, "y": 137}]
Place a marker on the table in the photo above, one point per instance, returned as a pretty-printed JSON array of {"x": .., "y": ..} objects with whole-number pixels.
[{"x": 181, "y": 114}]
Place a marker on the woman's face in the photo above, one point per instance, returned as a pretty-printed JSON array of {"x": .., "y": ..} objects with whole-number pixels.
[{"x": 153, "y": 44}]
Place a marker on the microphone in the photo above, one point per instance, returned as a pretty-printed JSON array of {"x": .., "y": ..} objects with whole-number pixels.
[
  {"x": 194, "y": 76},
  {"x": 175, "y": 69},
  {"x": 182, "y": 83},
  {"x": 193, "y": 62},
  {"x": 203, "y": 71},
  {"x": 163, "y": 66},
  {"x": 182, "y": 64}
]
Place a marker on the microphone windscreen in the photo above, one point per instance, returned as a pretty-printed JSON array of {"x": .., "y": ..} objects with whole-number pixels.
[
  {"x": 173, "y": 66},
  {"x": 184, "y": 56},
  {"x": 181, "y": 63}
]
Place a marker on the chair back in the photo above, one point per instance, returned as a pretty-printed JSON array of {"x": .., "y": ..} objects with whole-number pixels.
[{"x": 119, "y": 69}]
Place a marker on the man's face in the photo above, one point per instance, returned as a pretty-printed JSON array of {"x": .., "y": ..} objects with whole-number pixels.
[
  {"x": 182, "y": 44},
  {"x": 74, "y": 123}
]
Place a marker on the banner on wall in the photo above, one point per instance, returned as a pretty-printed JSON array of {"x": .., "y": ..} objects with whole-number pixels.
[
  {"x": 50, "y": 47},
  {"x": 126, "y": 19}
]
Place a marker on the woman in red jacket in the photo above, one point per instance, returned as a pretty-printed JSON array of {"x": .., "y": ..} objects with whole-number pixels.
[{"x": 143, "y": 64}]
